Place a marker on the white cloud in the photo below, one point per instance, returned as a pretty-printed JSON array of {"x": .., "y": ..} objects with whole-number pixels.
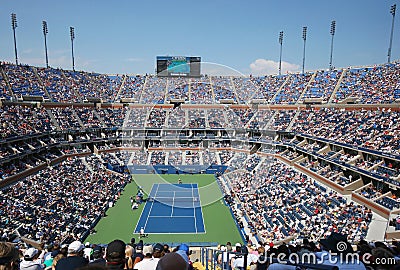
[{"x": 268, "y": 67}]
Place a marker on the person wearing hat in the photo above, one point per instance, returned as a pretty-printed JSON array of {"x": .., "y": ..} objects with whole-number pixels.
[
  {"x": 158, "y": 251},
  {"x": 98, "y": 257},
  {"x": 115, "y": 255},
  {"x": 87, "y": 251},
  {"x": 138, "y": 255},
  {"x": 184, "y": 251},
  {"x": 9, "y": 256},
  {"x": 148, "y": 262},
  {"x": 74, "y": 259},
  {"x": 172, "y": 261},
  {"x": 30, "y": 261}
]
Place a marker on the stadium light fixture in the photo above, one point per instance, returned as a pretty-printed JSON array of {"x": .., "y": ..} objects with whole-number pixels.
[
  {"x": 14, "y": 26},
  {"x": 304, "y": 45},
  {"x": 280, "y": 54},
  {"x": 333, "y": 30},
  {"x": 72, "y": 34},
  {"x": 393, "y": 12},
  {"x": 45, "y": 32}
]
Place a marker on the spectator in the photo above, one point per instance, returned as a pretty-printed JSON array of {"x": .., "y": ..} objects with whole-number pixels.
[
  {"x": 74, "y": 259},
  {"x": 158, "y": 251},
  {"x": 172, "y": 261},
  {"x": 55, "y": 260},
  {"x": 115, "y": 255},
  {"x": 9, "y": 257},
  {"x": 98, "y": 257},
  {"x": 31, "y": 260},
  {"x": 148, "y": 262},
  {"x": 128, "y": 256}
]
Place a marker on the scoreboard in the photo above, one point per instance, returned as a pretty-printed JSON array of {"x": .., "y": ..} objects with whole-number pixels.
[{"x": 178, "y": 66}]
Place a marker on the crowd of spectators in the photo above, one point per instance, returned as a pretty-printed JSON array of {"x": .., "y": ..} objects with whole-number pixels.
[
  {"x": 61, "y": 201},
  {"x": 177, "y": 118},
  {"x": 281, "y": 202},
  {"x": 239, "y": 117},
  {"x": 223, "y": 88},
  {"x": 373, "y": 129},
  {"x": 178, "y": 89},
  {"x": 23, "y": 120},
  {"x": 115, "y": 255},
  {"x": 23, "y": 80},
  {"x": 197, "y": 119},
  {"x": 323, "y": 85},
  {"x": 378, "y": 84},
  {"x": 200, "y": 91},
  {"x": 132, "y": 87},
  {"x": 292, "y": 89},
  {"x": 156, "y": 118}
]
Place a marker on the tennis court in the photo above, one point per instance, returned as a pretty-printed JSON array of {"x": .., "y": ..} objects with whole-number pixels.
[{"x": 172, "y": 208}]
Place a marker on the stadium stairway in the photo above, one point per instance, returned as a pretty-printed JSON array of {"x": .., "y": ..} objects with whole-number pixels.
[
  {"x": 41, "y": 83},
  {"x": 306, "y": 88},
  {"x": 3, "y": 74},
  {"x": 73, "y": 112},
  {"x": 333, "y": 94},
  {"x": 166, "y": 92},
  {"x": 76, "y": 92},
  {"x": 186, "y": 118},
  {"x": 206, "y": 118},
  {"x": 225, "y": 118},
  {"x": 212, "y": 90},
  {"x": 272, "y": 101},
  {"x": 270, "y": 122},
  {"x": 86, "y": 165},
  {"x": 143, "y": 87},
  {"x": 294, "y": 120},
  {"x": 53, "y": 119},
  {"x": 259, "y": 164},
  {"x": 117, "y": 96},
  {"x": 95, "y": 112},
  {"x": 234, "y": 89}
]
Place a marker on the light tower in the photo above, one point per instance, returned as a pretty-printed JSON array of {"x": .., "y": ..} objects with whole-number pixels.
[
  {"x": 333, "y": 30},
  {"x": 14, "y": 26},
  {"x": 72, "y": 34},
  {"x": 45, "y": 32},
  {"x": 393, "y": 12},
  {"x": 304, "y": 45},
  {"x": 280, "y": 54}
]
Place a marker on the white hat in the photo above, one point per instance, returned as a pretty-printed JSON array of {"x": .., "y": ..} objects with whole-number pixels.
[
  {"x": 223, "y": 248},
  {"x": 75, "y": 247},
  {"x": 238, "y": 245},
  {"x": 147, "y": 250},
  {"x": 30, "y": 253},
  {"x": 87, "y": 244}
]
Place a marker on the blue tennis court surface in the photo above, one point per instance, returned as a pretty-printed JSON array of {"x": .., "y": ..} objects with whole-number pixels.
[{"x": 172, "y": 208}]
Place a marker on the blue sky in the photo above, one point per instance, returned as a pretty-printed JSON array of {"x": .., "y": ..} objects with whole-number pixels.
[{"x": 126, "y": 36}]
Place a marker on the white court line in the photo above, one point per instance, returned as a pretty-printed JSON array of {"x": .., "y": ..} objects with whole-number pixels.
[
  {"x": 151, "y": 207},
  {"x": 194, "y": 210},
  {"x": 172, "y": 206},
  {"x": 201, "y": 208},
  {"x": 172, "y": 217}
]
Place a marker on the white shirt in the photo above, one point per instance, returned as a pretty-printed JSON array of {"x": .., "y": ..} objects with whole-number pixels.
[{"x": 147, "y": 264}]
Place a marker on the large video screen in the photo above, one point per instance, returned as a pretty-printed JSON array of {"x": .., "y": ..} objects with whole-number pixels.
[{"x": 178, "y": 66}]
